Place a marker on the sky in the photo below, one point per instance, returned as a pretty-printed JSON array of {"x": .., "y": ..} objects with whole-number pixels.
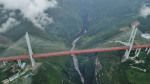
[{"x": 32, "y": 10}]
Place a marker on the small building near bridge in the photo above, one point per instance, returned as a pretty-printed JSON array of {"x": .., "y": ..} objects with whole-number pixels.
[
  {"x": 6, "y": 81},
  {"x": 146, "y": 36}
]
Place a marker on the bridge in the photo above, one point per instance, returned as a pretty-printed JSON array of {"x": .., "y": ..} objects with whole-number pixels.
[
  {"x": 128, "y": 47},
  {"x": 41, "y": 55}
]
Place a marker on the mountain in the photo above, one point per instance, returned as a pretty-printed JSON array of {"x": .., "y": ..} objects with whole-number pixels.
[
  {"x": 5, "y": 41},
  {"x": 102, "y": 19},
  {"x": 112, "y": 68}
]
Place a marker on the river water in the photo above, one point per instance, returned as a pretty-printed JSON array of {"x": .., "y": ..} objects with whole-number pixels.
[{"x": 75, "y": 60}]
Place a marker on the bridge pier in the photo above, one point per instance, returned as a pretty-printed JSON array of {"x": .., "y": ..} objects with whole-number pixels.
[
  {"x": 130, "y": 43},
  {"x": 137, "y": 52},
  {"x": 30, "y": 49},
  {"x": 4, "y": 63},
  {"x": 19, "y": 63},
  {"x": 148, "y": 51}
]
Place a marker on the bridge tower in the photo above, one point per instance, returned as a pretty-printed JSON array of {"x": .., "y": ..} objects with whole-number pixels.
[
  {"x": 30, "y": 49},
  {"x": 130, "y": 44}
]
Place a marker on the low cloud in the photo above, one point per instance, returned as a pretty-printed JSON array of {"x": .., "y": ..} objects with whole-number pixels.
[
  {"x": 145, "y": 11},
  {"x": 11, "y": 22},
  {"x": 33, "y": 10},
  {"x": 12, "y": 14}
]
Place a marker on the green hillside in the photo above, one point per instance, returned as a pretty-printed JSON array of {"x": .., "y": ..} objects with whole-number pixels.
[{"x": 102, "y": 20}]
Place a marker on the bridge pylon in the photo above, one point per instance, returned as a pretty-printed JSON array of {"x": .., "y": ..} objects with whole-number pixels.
[
  {"x": 19, "y": 63},
  {"x": 130, "y": 44},
  {"x": 137, "y": 52},
  {"x": 148, "y": 51},
  {"x": 30, "y": 49}
]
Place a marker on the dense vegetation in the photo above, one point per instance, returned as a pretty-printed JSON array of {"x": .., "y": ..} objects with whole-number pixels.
[{"x": 102, "y": 19}]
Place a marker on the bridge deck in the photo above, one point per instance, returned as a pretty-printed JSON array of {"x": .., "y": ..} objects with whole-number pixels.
[{"x": 72, "y": 52}]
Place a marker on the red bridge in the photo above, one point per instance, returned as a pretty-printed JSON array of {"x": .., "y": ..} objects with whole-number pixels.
[{"x": 72, "y": 52}]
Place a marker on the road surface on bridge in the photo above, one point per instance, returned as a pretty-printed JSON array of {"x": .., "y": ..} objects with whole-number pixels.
[{"x": 10, "y": 58}]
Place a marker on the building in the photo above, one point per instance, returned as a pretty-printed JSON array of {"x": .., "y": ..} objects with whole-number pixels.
[
  {"x": 6, "y": 81},
  {"x": 23, "y": 65},
  {"x": 135, "y": 23},
  {"x": 146, "y": 36},
  {"x": 124, "y": 28}
]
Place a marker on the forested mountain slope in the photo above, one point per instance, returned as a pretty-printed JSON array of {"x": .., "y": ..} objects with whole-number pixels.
[{"x": 101, "y": 20}]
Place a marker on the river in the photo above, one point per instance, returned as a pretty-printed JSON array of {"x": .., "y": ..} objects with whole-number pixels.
[{"x": 75, "y": 60}]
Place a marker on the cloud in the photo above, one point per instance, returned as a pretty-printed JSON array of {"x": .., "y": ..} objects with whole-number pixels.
[
  {"x": 33, "y": 10},
  {"x": 12, "y": 14},
  {"x": 11, "y": 22},
  {"x": 145, "y": 11}
]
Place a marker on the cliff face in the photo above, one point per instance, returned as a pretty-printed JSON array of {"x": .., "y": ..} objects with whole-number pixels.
[{"x": 106, "y": 67}]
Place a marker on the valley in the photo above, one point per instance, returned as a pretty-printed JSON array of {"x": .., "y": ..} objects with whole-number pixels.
[
  {"x": 77, "y": 24},
  {"x": 75, "y": 59}
]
